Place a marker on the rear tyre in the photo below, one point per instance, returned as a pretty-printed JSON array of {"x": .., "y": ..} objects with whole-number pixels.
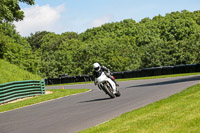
[{"x": 118, "y": 94}]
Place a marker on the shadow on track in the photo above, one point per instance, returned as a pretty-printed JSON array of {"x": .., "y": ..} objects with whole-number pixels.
[
  {"x": 169, "y": 82},
  {"x": 96, "y": 100}
]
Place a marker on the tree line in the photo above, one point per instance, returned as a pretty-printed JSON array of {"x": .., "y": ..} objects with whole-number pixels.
[{"x": 169, "y": 40}]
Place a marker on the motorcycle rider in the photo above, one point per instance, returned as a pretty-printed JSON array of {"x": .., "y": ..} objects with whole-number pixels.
[{"x": 98, "y": 69}]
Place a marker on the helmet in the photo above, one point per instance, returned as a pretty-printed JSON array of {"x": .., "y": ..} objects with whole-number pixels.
[{"x": 96, "y": 67}]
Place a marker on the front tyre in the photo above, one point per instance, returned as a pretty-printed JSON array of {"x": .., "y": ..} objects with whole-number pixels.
[{"x": 109, "y": 90}]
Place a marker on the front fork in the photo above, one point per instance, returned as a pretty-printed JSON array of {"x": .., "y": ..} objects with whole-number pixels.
[{"x": 100, "y": 86}]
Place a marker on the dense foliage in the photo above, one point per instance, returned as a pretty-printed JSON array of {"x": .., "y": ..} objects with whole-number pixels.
[
  {"x": 173, "y": 39},
  {"x": 11, "y": 11}
]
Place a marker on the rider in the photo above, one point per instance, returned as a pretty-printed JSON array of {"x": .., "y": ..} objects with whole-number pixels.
[{"x": 98, "y": 68}]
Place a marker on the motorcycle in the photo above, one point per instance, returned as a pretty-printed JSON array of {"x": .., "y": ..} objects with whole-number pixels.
[{"x": 107, "y": 85}]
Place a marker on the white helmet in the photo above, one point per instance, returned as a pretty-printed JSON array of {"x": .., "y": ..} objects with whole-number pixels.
[{"x": 96, "y": 67}]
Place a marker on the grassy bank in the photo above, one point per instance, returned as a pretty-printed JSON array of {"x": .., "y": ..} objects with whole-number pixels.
[
  {"x": 178, "y": 113},
  {"x": 56, "y": 93},
  {"x": 10, "y": 72}
]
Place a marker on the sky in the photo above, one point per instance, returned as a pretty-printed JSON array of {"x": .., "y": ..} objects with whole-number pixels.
[{"x": 61, "y": 16}]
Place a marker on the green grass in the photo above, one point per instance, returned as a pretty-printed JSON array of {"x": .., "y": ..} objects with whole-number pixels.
[
  {"x": 10, "y": 72},
  {"x": 178, "y": 113},
  {"x": 57, "y": 93}
]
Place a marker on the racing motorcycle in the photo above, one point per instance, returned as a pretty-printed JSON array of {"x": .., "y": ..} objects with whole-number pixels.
[{"x": 107, "y": 85}]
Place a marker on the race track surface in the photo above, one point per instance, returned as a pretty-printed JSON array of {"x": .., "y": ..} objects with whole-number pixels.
[{"x": 75, "y": 113}]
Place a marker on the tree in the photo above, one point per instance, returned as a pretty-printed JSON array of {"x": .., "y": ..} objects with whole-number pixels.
[
  {"x": 10, "y": 10},
  {"x": 35, "y": 40}
]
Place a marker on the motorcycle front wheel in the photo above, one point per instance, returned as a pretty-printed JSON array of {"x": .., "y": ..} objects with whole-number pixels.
[{"x": 108, "y": 90}]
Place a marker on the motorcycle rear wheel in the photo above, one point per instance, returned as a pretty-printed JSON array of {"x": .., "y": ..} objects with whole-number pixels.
[{"x": 118, "y": 94}]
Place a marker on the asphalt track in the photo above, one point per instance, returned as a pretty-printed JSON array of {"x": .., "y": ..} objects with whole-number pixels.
[{"x": 75, "y": 113}]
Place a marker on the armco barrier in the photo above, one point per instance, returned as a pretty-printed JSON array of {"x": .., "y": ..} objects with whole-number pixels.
[
  {"x": 118, "y": 75},
  {"x": 147, "y": 72},
  {"x": 83, "y": 78},
  {"x": 154, "y": 71},
  {"x": 166, "y": 70},
  {"x": 55, "y": 81},
  {"x": 137, "y": 73},
  {"x": 190, "y": 68},
  {"x": 197, "y": 68},
  {"x": 157, "y": 71},
  {"x": 180, "y": 69},
  {"x": 19, "y": 89},
  {"x": 128, "y": 74},
  {"x": 184, "y": 68},
  {"x": 68, "y": 79}
]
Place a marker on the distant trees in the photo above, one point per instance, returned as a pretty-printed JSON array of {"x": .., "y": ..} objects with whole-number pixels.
[{"x": 173, "y": 39}]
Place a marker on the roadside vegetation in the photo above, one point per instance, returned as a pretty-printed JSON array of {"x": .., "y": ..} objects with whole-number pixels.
[
  {"x": 55, "y": 93},
  {"x": 177, "y": 113}
]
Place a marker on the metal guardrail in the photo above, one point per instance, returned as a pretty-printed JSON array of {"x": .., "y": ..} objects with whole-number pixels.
[{"x": 20, "y": 89}]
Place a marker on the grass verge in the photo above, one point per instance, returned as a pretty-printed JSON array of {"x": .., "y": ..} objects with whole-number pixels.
[
  {"x": 177, "y": 113},
  {"x": 57, "y": 93}
]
